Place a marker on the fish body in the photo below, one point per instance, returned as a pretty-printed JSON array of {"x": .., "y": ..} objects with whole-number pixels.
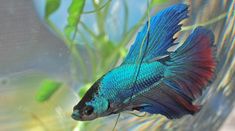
[
  {"x": 151, "y": 78},
  {"x": 119, "y": 81}
]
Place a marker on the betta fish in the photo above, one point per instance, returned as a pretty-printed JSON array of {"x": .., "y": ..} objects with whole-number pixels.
[{"x": 152, "y": 78}]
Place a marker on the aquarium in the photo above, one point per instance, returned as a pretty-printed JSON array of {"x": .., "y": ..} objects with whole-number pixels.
[{"x": 52, "y": 51}]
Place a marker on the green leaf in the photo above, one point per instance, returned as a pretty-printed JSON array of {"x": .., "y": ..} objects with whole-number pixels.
[
  {"x": 74, "y": 12},
  {"x": 67, "y": 30},
  {"x": 47, "y": 89},
  {"x": 123, "y": 52},
  {"x": 160, "y": 1},
  {"x": 51, "y": 7}
]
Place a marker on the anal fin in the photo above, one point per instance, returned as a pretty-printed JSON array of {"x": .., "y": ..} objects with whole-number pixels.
[{"x": 164, "y": 100}]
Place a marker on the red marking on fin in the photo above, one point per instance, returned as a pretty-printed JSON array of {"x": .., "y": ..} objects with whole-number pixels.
[{"x": 193, "y": 63}]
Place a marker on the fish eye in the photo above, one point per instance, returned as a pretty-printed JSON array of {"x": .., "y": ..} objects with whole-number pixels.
[{"x": 88, "y": 110}]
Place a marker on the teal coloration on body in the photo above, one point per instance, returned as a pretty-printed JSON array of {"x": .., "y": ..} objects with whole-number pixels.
[
  {"x": 100, "y": 104},
  {"x": 119, "y": 81}
]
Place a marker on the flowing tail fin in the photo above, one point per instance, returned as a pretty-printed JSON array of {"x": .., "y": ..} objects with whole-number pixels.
[
  {"x": 193, "y": 63},
  {"x": 189, "y": 69}
]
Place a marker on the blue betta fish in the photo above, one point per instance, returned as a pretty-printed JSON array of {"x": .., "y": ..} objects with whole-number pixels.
[{"x": 151, "y": 78}]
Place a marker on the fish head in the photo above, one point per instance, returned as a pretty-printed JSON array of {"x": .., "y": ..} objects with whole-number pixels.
[{"x": 91, "y": 106}]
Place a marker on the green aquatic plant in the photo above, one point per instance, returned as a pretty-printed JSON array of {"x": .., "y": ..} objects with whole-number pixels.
[
  {"x": 47, "y": 88},
  {"x": 159, "y": 1},
  {"x": 74, "y": 13},
  {"x": 51, "y": 7}
]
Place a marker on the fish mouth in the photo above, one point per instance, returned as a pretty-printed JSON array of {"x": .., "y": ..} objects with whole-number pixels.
[{"x": 75, "y": 115}]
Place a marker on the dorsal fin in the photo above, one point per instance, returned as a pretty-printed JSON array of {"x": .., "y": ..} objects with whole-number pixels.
[{"x": 162, "y": 28}]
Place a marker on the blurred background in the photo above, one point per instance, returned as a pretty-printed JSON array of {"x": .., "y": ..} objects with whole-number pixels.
[{"x": 51, "y": 51}]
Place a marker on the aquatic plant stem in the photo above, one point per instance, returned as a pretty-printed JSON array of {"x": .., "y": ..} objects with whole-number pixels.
[
  {"x": 119, "y": 114},
  {"x": 98, "y": 9},
  {"x": 88, "y": 30},
  {"x": 128, "y": 36},
  {"x": 99, "y": 19},
  {"x": 126, "y": 18},
  {"x": 220, "y": 17},
  {"x": 90, "y": 54},
  {"x": 74, "y": 52}
]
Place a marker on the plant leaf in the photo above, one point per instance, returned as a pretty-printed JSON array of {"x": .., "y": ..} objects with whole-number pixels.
[
  {"x": 159, "y": 1},
  {"x": 123, "y": 52},
  {"x": 47, "y": 89},
  {"x": 51, "y": 7},
  {"x": 74, "y": 12}
]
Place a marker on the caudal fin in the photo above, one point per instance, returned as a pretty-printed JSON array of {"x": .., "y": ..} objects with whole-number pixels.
[
  {"x": 193, "y": 63},
  {"x": 190, "y": 68}
]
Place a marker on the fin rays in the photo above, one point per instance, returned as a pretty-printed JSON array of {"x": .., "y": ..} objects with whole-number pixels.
[{"x": 162, "y": 28}]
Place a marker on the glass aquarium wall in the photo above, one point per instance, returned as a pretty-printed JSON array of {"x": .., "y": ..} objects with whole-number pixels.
[{"x": 52, "y": 51}]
